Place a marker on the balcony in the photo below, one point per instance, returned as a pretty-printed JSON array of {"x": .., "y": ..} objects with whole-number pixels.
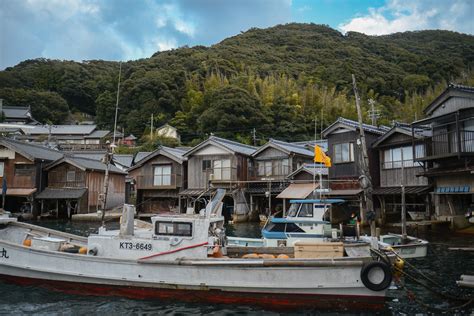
[
  {"x": 150, "y": 182},
  {"x": 275, "y": 173},
  {"x": 224, "y": 174},
  {"x": 445, "y": 145},
  {"x": 66, "y": 184}
]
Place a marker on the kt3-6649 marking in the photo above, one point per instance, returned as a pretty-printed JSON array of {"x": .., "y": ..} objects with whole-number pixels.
[{"x": 135, "y": 246}]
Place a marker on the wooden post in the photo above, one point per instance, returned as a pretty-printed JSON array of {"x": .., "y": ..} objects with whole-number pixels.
[
  {"x": 284, "y": 207},
  {"x": 404, "y": 210},
  {"x": 365, "y": 179}
]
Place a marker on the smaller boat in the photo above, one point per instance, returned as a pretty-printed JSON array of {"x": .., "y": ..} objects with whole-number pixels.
[
  {"x": 411, "y": 248},
  {"x": 417, "y": 216}
]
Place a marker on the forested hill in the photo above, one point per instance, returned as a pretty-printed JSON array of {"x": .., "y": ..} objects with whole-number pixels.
[{"x": 276, "y": 80}]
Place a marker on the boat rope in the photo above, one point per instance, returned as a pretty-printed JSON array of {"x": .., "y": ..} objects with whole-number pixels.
[
  {"x": 412, "y": 296},
  {"x": 173, "y": 251},
  {"x": 467, "y": 301},
  {"x": 414, "y": 268}
]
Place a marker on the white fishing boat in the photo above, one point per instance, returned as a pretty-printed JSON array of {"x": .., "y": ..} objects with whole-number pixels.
[
  {"x": 308, "y": 221},
  {"x": 181, "y": 257},
  {"x": 412, "y": 247}
]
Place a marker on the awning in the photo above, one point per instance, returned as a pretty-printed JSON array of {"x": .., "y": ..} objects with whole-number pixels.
[
  {"x": 298, "y": 191},
  {"x": 20, "y": 192},
  {"x": 348, "y": 192},
  {"x": 194, "y": 192},
  {"x": 398, "y": 190},
  {"x": 61, "y": 194}
]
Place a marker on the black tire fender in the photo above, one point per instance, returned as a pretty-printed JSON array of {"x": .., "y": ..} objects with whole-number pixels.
[{"x": 387, "y": 279}]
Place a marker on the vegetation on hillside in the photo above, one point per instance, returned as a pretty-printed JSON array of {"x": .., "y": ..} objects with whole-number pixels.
[{"x": 276, "y": 80}]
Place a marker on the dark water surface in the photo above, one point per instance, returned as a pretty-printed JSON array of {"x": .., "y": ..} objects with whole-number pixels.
[{"x": 441, "y": 264}]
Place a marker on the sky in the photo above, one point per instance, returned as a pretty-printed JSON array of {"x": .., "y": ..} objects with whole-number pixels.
[{"x": 133, "y": 29}]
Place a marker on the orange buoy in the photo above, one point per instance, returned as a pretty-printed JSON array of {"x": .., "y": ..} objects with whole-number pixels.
[
  {"x": 266, "y": 256},
  {"x": 83, "y": 250},
  {"x": 250, "y": 256},
  {"x": 283, "y": 256},
  {"x": 217, "y": 252},
  {"x": 27, "y": 242}
]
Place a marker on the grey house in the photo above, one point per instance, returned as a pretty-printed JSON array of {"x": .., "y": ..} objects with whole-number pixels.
[{"x": 448, "y": 155}]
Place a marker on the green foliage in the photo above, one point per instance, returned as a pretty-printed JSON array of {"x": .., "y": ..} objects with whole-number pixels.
[
  {"x": 278, "y": 80},
  {"x": 45, "y": 106}
]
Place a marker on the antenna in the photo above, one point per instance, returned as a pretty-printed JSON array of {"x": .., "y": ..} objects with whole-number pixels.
[
  {"x": 116, "y": 106},
  {"x": 374, "y": 114}
]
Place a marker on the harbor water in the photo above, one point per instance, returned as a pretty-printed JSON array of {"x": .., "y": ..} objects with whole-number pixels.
[{"x": 442, "y": 265}]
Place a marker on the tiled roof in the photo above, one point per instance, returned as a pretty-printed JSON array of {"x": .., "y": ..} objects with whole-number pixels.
[
  {"x": 12, "y": 112},
  {"x": 380, "y": 130},
  {"x": 123, "y": 159},
  {"x": 61, "y": 130},
  {"x": 234, "y": 146},
  {"x": 323, "y": 143},
  {"x": 286, "y": 147},
  {"x": 173, "y": 153},
  {"x": 140, "y": 155},
  {"x": 87, "y": 164},
  {"x": 98, "y": 134},
  {"x": 311, "y": 168},
  {"x": 61, "y": 193},
  {"x": 31, "y": 151}
]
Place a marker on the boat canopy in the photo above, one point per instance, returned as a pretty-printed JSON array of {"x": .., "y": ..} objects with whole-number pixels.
[
  {"x": 297, "y": 220},
  {"x": 326, "y": 201}
]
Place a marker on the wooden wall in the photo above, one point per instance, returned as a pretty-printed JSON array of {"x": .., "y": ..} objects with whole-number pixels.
[
  {"x": 116, "y": 190},
  {"x": 17, "y": 181},
  {"x": 146, "y": 170}
]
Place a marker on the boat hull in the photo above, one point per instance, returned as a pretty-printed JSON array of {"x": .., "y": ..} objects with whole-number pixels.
[
  {"x": 326, "y": 285},
  {"x": 271, "y": 301}
]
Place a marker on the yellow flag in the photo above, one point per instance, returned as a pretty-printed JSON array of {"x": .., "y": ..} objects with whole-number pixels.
[{"x": 320, "y": 156}]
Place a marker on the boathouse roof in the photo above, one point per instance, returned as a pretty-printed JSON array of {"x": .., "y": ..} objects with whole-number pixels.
[
  {"x": 289, "y": 148},
  {"x": 31, "y": 151},
  {"x": 354, "y": 126},
  {"x": 229, "y": 145}
]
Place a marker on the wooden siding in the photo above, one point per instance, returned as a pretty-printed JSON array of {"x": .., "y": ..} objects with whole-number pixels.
[
  {"x": 198, "y": 179},
  {"x": 350, "y": 170},
  {"x": 18, "y": 181},
  {"x": 393, "y": 177},
  {"x": 144, "y": 174},
  {"x": 453, "y": 104},
  {"x": 93, "y": 181}
]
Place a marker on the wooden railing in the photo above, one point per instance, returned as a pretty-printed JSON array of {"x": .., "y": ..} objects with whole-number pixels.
[
  {"x": 224, "y": 174},
  {"x": 172, "y": 181},
  {"x": 446, "y": 144},
  {"x": 277, "y": 173},
  {"x": 67, "y": 184}
]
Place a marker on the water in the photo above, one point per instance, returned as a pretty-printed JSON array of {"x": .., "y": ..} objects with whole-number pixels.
[{"x": 441, "y": 264}]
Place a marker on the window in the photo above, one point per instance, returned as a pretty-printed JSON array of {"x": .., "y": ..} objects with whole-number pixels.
[
  {"x": 285, "y": 166},
  {"x": 162, "y": 175},
  {"x": 174, "y": 229},
  {"x": 206, "y": 165},
  {"x": 2, "y": 166},
  {"x": 221, "y": 169},
  {"x": 24, "y": 170},
  {"x": 306, "y": 210},
  {"x": 343, "y": 152},
  {"x": 293, "y": 209},
  {"x": 394, "y": 157},
  {"x": 71, "y": 176}
]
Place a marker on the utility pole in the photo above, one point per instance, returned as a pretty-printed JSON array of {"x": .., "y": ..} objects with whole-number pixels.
[
  {"x": 254, "y": 136},
  {"x": 373, "y": 113},
  {"x": 116, "y": 106},
  {"x": 151, "y": 128},
  {"x": 404, "y": 210},
  {"x": 107, "y": 159},
  {"x": 365, "y": 179}
]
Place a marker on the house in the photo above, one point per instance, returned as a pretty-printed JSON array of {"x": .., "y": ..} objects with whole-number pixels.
[
  {"x": 397, "y": 168},
  {"x": 448, "y": 153},
  {"x": 68, "y": 137},
  {"x": 16, "y": 114},
  {"x": 219, "y": 163},
  {"x": 139, "y": 156},
  {"x": 21, "y": 168},
  {"x": 344, "y": 148},
  {"x": 168, "y": 131},
  {"x": 269, "y": 170},
  {"x": 129, "y": 141},
  {"x": 76, "y": 185},
  {"x": 158, "y": 179}
]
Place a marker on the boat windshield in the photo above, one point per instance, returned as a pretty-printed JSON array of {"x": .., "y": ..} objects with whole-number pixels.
[
  {"x": 293, "y": 210},
  {"x": 306, "y": 210}
]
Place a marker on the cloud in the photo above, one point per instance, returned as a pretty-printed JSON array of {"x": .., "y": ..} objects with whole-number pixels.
[
  {"x": 406, "y": 15},
  {"x": 124, "y": 29}
]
